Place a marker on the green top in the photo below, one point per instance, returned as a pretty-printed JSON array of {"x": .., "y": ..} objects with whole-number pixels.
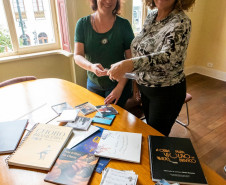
[{"x": 104, "y": 48}]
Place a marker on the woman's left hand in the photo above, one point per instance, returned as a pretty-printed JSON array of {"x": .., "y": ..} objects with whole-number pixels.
[
  {"x": 114, "y": 96},
  {"x": 118, "y": 70}
]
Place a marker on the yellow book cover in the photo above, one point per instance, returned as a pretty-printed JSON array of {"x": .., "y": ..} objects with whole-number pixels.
[{"x": 41, "y": 147}]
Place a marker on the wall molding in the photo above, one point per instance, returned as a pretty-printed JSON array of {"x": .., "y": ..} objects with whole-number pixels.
[
  {"x": 35, "y": 55},
  {"x": 213, "y": 73}
]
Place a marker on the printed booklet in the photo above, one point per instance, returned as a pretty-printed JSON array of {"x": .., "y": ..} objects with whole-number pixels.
[{"x": 174, "y": 159}]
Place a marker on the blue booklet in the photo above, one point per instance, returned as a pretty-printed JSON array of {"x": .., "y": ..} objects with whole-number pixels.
[
  {"x": 107, "y": 120},
  {"x": 89, "y": 145}
]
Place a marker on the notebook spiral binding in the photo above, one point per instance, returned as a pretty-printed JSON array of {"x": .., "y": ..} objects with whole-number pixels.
[{"x": 21, "y": 142}]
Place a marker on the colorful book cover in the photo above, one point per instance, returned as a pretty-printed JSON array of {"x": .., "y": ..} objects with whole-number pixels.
[
  {"x": 107, "y": 120},
  {"x": 72, "y": 167},
  {"x": 174, "y": 159},
  {"x": 89, "y": 145}
]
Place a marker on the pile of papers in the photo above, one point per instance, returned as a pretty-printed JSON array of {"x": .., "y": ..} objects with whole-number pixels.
[{"x": 112, "y": 176}]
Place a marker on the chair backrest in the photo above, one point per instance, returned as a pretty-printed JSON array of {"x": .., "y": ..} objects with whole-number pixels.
[
  {"x": 188, "y": 97},
  {"x": 17, "y": 80}
]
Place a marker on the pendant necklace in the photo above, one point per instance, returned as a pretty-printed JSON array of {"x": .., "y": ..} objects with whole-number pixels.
[{"x": 104, "y": 40}]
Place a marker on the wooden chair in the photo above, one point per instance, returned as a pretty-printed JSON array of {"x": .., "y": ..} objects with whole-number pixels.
[
  {"x": 187, "y": 99},
  {"x": 17, "y": 80}
]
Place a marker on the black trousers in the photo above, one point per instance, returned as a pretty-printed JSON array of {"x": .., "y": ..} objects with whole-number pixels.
[{"x": 162, "y": 105}]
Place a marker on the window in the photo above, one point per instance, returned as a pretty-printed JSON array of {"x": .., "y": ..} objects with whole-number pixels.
[
  {"x": 25, "y": 39},
  {"x": 26, "y": 23},
  {"x": 5, "y": 40},
  {"x": 137, "y": 20},
  {"x": 38, "y": 9},
  {"x": 42, "y": 38}
]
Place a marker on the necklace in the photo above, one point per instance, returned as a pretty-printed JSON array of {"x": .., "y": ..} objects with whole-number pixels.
[
  {"x": 103, "y": 40},
  {"x": 94, "y": 24}
]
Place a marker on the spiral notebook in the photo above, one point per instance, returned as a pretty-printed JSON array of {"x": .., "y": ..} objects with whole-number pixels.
[{"x": 40, "y": 147}]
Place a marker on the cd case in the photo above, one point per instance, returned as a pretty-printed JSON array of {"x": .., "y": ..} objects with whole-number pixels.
[
  {"x": 86, "y": 108},
  {"x": 59, "y": 108}
]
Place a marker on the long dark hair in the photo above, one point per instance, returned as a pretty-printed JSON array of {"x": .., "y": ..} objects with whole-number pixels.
[{"x": 116, "y": 11}]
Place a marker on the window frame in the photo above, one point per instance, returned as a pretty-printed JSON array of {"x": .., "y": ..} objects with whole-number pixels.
[
  {"x": 144, "y": 14},
  {"x": 31, "y": 49}
]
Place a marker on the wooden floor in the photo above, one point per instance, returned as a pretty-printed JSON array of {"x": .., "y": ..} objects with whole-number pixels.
[{"x": 207, "y": 128}]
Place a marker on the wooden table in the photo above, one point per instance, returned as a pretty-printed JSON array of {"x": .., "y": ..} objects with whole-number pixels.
[{"x": 33, "y": 100}]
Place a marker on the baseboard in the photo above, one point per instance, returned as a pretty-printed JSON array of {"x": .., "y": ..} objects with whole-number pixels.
[
  {"x": 213, "y": 73},
  {"x": 189, "y": 70}
]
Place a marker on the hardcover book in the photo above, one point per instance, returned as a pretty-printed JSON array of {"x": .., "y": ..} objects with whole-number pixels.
[
  {"x": 89, "y": 145},
  {"x": 107, "y": 120},
  {"x": 174, "y": 159},
  {"x": 80, "y": 123},
  {"x": 10, "y": 134},
  {"x": 120, "y": 145},
  {"x": 86, "y": 108},
  {"x": 106, "y": 110},
  {"x": 72, "y": 167},
  {"x": 41, "y": 147}
]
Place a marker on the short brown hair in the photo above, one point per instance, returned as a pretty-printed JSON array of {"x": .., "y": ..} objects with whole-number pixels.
[
  {"x": 179, "y": 4},
  {"x": 116, "y": 11}
]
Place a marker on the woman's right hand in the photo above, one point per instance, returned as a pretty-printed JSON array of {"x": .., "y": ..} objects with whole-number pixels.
[{"x": 99, "y": 70}]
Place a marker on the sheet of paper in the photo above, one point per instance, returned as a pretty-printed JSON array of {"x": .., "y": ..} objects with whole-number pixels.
[
  {"x": 112, "y": 176},
  {"x": 120, "y": 145}
]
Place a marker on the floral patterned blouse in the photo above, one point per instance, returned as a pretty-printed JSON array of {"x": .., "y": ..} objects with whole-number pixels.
[{"x": 159, "y": 50}]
